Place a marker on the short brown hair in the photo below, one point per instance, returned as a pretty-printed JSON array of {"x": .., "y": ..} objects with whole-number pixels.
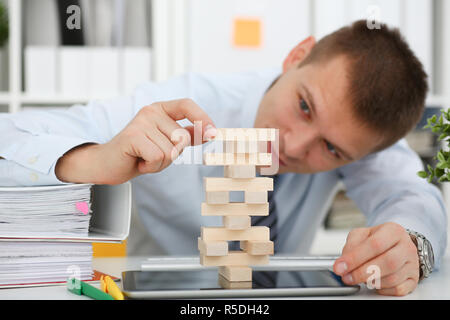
[{"x": 388, "y": 84}]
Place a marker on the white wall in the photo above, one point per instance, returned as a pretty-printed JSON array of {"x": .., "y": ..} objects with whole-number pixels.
[
  {"x": 284, "y": 24},
  {"x": 442, "y": 43},
  {"x": 287, "y": 22}
]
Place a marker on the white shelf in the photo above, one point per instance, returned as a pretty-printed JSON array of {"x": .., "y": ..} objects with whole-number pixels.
[
  {"x": 56, "y": 99},
  {"x": 15, "y": 98}
]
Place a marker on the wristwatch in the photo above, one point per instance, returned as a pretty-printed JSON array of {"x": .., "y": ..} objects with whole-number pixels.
[{"x": 425, "y": 252}]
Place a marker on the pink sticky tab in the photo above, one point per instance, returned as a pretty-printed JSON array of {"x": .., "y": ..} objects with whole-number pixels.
[{"x": 82, "y": 207}]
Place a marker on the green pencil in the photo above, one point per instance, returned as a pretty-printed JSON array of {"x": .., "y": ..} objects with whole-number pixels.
[{"x": 82, "y": 288}]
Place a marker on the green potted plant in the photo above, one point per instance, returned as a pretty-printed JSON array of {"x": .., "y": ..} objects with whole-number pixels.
[
  {"x": 440, "y": 126},
  {"x": 4, "y": 33}
]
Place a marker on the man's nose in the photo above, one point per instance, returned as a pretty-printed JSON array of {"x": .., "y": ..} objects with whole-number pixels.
[{"x": 298, "y": 144}]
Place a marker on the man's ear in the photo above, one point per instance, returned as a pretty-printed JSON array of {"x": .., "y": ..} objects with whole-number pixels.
[{"x": 300, "y": 52}]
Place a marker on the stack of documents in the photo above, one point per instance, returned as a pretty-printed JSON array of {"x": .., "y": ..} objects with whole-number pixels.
[
  {"x": 54, "y": 211},
  {"x": 40, "y": 233},
  {"x": 24, "y": 262}
]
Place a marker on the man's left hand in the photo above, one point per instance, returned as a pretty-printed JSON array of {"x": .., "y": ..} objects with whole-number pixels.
[{"x": 387, "y": 246}]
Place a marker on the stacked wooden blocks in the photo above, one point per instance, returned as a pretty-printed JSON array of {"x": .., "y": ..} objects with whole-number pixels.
[{"x": 245, "y": 149}]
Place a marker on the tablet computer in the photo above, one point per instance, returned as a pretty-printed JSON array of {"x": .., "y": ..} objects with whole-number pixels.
[{"x": 183, "y": 284}]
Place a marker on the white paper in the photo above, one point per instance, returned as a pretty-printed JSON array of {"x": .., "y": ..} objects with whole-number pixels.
[
  {"x": 37, "y": 262},
  {"x": 44, "y": 211}
]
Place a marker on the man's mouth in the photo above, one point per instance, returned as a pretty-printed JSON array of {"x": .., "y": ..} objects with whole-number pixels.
[{"x": 280, "y": 161}]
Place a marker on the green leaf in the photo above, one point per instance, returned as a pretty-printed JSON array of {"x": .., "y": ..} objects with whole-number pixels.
[
  {"x": 433, "y": 119},
  {"x": 446, "y": 114},
  {"x": 422, "y": 174},
  {"x": 441, "y": 120},
  {"x": 438, "y": 172},
  {"x": 442, "y": 165},
  {"x": 440, "y": 156}
]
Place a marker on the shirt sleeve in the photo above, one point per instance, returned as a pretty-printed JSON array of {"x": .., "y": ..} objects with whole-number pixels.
[
  {"x": 385, "y": 186},
  {"x": 31, "y": 142}
]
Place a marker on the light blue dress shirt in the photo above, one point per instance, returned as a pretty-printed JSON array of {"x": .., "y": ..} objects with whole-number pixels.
[{"x": 384, "y": 185}]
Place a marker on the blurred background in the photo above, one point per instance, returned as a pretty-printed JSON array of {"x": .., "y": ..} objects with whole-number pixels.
[{"x": 55, "y": 53}]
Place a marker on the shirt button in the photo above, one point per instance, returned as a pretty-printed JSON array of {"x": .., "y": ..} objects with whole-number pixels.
[
  {"x": 32, "y": 160},
  {"x": 34, "y": 177}
]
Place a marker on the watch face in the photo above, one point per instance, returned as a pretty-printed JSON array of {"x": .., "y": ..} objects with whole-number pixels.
[{"x": 428, "y": 255}]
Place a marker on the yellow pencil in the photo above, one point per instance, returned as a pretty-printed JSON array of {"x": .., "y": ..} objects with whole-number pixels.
[{"x": 110, "y": 287}]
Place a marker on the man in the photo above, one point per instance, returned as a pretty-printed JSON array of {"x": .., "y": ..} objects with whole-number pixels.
[{"x": 341, "y": 105}]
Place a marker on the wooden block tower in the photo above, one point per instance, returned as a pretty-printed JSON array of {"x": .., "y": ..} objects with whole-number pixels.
[{"x": 244, "y": 150}]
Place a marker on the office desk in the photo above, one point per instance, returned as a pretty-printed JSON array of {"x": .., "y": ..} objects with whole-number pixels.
[{"x": 435, "y": 287}]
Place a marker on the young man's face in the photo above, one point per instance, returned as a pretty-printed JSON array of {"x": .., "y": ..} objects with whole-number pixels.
[{"x": 317, "y": 129}]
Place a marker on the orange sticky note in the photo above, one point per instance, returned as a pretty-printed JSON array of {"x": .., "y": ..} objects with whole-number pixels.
[{"x": 247, "y": 32}]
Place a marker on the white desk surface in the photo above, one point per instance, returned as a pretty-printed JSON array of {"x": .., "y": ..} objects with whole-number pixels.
[{"x": 435, "y": 287}]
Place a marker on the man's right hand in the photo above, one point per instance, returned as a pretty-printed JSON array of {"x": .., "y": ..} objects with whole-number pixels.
[{"x": 146, "y": 145}]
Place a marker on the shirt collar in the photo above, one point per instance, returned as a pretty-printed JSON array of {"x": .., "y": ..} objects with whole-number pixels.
[{"x": 255, "y": 94}]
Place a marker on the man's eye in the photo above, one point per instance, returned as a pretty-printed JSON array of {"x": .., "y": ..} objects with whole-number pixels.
[
  {"x": 331, "y": 149},
  {"x": 304, "y": 106}
]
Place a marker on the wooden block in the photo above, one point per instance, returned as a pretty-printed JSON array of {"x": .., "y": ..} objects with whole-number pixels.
[
  {"x": 234, "y": 258},
  {"x": 254, "y": 247},
  {"x": 256, "y": 197},
  {"x": 212, "y": 248},
  {"x": 229, "y": 184},
  {"x": 224, "y": 234},
  {"x": 237, "y": 222},
  {"x": 227, "y": 284},
  {"x": 245, "y": 134},
  {"x": 239, "y": 172},
  {"x": 235, "y": 209},
  {"x": 217, "y": 197},
  {"x": 245, "y": 147},
  {"x": 252, "y": 159},
  {"x": 236, "y": 273},
  {"x": 228, "y": 159}
]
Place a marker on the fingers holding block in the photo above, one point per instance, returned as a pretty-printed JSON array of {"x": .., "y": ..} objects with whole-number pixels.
[
  {"x": 257, "y": 248},
  {"x": 236, "y": 273},
  {"x": 213, "y": 248},
  {"x": 217, "y": 197},
  {"x": 237, "y": 222}
]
